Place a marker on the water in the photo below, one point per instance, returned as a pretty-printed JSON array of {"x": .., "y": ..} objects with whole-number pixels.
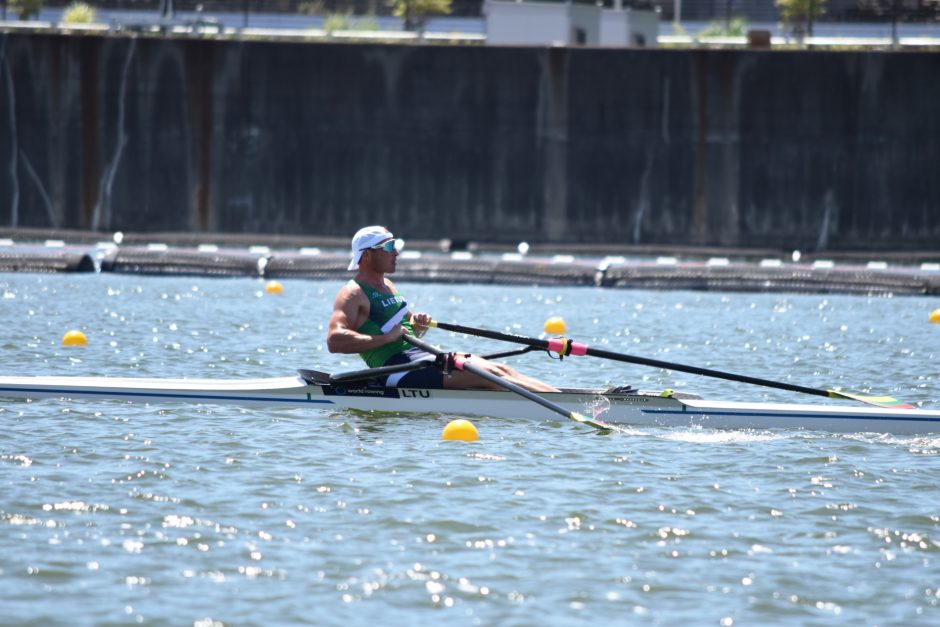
[{"x": 115, "y": 513}]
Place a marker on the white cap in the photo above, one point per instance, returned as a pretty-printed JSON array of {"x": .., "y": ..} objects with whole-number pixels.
[{"x": 364, "y": 239}]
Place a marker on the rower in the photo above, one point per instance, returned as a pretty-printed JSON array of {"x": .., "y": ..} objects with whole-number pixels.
[{"x": 370, "y": 316}]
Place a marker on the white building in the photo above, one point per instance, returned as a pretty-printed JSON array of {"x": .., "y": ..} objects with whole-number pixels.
[{"x": 511, "y": 22}]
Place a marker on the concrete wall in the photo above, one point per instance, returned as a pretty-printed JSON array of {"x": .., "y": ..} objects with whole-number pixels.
[{"x": 809, "y": 150}]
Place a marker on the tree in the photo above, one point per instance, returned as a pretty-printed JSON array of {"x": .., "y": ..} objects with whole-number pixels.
[
  {"x": 798, "y": 15},
  {"x": 416, "y": 12},
  {"x": 26, "y": 9},
  {"x": 735, "y": 27},
  {"x": 79, "y": 13}
]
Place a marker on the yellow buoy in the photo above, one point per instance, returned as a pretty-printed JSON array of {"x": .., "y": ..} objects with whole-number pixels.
[
  {"x": 935, "y": 316},
  {"x": 74, "y": 338},
  {"x": 555, "y": 325},
  {"x": 460, "y": 429},
  {"x": 274, "y": 287}
]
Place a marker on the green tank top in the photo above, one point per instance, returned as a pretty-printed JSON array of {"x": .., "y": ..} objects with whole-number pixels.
[{"x": 385, "y": 311}]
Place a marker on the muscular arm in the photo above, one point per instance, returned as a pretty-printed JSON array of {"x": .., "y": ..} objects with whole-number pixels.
[{"x": 350, "y": 310}]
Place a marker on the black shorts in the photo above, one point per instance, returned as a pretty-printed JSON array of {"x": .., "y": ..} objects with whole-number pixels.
[{"x": 430, "y": 378}]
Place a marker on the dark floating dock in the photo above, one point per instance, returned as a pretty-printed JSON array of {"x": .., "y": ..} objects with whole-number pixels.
[{"x": 664, "y": 268}]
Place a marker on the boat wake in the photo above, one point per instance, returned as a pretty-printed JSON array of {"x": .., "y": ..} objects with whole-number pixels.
[{"x": 702, "y": 435}]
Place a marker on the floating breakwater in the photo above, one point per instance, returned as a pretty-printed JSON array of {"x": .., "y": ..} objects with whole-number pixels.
[{"x": 662, "y": 272}]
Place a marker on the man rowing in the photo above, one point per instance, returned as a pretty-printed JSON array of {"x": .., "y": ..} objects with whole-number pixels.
[{"x": 370, "y": 317}]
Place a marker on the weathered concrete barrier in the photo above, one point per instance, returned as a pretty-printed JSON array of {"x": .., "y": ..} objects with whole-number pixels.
[{"x": 807, "y": 150}]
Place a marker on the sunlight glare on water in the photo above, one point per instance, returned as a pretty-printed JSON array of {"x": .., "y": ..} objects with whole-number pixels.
[{"x": 116, "y": 512}]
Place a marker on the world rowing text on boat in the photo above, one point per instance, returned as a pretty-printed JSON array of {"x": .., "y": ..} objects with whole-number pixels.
[{"x": 384, "y": 392}]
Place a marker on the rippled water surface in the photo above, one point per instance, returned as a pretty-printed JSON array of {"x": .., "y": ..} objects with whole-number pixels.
[{"x": 116, "y": 513}]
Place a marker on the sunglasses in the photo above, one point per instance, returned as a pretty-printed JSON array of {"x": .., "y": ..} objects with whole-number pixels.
[{"x": 388, "y": 246}]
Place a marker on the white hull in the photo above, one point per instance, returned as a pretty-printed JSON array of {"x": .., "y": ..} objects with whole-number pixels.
[{"x": 625, "y": 409}]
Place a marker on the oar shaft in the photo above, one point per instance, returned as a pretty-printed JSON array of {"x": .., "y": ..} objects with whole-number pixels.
[
  {"x": 493, "y": 335},
  {"x": 706, "y": 372},
  {"x": 581, "y": 349},
  {"x": 508, "y": 385}
]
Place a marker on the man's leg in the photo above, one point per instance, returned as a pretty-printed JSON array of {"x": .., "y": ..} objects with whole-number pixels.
[{"x": 461, "y": 379}]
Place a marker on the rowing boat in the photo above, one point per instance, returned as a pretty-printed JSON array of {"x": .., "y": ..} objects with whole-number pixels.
[{"x": 621, "y": 407}]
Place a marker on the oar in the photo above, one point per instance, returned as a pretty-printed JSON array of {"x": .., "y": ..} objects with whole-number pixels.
[
  {"x": 464, "y": 364},
  {"x": 566, "y": 347}
]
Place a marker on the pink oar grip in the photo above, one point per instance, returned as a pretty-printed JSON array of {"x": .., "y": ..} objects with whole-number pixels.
[
  {"x": 459, "y": 361},
  {"x": 557, "y": 345},
  {"x": 566, "y": 347},
  {"x": 578, "y": 348}
]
